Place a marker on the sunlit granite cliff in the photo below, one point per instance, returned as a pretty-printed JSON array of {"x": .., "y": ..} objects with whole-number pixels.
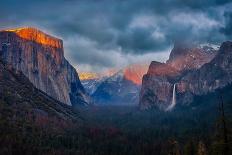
[{"x": 40, "y": 57}]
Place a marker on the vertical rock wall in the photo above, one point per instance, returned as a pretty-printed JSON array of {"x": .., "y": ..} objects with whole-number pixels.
[{"x": 40, "y": 57}]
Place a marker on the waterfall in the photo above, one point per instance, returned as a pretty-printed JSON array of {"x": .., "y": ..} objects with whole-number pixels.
[{"x": 170, "y": 107}]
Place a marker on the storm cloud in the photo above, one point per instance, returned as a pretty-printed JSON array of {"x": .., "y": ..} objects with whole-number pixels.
[{"x": 101, "y": 34}]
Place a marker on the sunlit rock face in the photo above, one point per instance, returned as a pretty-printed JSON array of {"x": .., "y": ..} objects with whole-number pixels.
[
  {"x": 37, "y": 36},
  {"x": 87, "y": 76},
  {"x": 161, "y": 69},
  {"x": 158, "y": 83},
  {"x": 41, "y": 58},
  {"x": 135, "y": 73}
]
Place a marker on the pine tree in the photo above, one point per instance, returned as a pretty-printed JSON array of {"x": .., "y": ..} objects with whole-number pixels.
[
  {"x": 221, "y": 146},
  {"x": 224, "y": 129}
]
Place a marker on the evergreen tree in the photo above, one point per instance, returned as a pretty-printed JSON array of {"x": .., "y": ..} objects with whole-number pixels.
[{"x": 221, "y": 145}]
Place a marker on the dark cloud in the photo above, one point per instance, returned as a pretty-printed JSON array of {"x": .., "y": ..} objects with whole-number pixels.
[
  {"x": 227, "y": 29},
  {"x": 140, "y": 40},
  {"x": 96, "y": 31}
]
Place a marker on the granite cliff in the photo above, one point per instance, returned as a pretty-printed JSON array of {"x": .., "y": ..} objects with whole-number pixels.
[
  {"x": 40, "y": 57},
  {"x": 182, "y": 68},
  {"x": 214, "y": 75}
]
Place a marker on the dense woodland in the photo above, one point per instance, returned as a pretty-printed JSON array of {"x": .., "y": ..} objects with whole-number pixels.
[{"x": 32, "y": 123}]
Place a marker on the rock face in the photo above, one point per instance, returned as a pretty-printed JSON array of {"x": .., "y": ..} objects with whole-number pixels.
[
  {"x": 184, "y": 62},
  {"x": 211, "y": 76},
  {"x": 186, "y": 56},
  {"x": 135, "y": 73},
  {"x": 40, "y": 57},
  {"x": 157, "y": 85},
  {"x": 23, "y": 98}
]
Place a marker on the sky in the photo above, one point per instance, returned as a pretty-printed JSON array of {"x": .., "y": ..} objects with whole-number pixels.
[{"x": 103, "y": 34}]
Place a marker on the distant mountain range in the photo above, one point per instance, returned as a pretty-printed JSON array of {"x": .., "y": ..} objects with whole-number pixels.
[
  {"x": 91, "y": 80},
  {"x": 117, "y": 87}
]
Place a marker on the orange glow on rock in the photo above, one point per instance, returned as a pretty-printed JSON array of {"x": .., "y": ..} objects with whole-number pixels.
[
  {"x": 87, "y": 76},
  {"x": 92, "y": 75},
  {"x": 161, "y": 69},
  {"x": 135, "y": 73},
  {"x": 37, "y": 36}
]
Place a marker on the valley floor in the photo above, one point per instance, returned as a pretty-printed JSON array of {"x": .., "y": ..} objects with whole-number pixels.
[
  {"x": 128, "y": 130},
  {"x": 114, "y": 130}
]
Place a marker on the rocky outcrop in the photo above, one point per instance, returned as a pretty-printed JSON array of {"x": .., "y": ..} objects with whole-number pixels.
[
  {"x": 211, "y": 76},
  {"x": 135, "y": 72},
  {"x": 186, "y": 56},
  {"x": 158, "y": 83},
  {"x": 40, "y": 57}
]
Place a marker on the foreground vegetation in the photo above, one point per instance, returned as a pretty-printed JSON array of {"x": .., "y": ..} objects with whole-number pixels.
[{"x": 112, "y": 130}]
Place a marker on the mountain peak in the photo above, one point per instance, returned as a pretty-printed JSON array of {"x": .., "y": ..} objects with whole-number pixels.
[
  {"x": 135, "y": 72},
  {"x": 226, "y": 45},
  {"x": 88, "y": 76},
  {"x": 187, "y": 56},
  {"x": 17, "y": 29},
  {"x": 35, "y": 35},
  {"x": 20, "y": 29}
]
